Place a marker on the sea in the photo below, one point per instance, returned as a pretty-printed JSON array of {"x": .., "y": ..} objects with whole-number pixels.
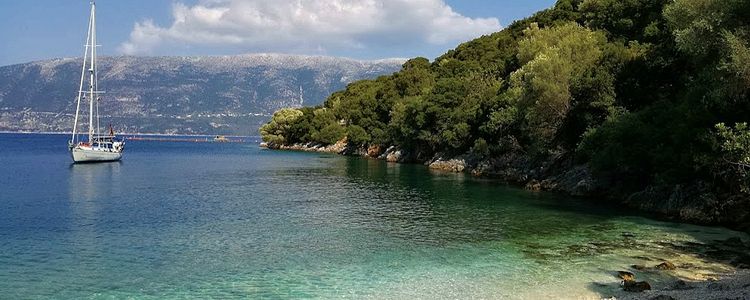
[{"x": 188, "y": 220}]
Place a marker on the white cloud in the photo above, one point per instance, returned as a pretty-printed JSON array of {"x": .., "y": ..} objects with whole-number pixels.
[{"x": 307, "y": 26}]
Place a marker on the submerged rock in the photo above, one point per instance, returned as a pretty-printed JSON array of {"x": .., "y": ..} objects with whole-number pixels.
[
  {"x": 718, "y": 286},
  {"x": 625, "y": 275},
  {"x": 662, "y": 297},
  {"x": 635, "y": 287},
  {"x": 639, "y": 267},
  {"x": 681, "y": 285},
  {"x": 666, "y": 266},
  {"x": 734, "y": 242}
]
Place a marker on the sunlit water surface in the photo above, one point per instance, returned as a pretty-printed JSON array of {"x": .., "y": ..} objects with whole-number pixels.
[{"x": 210, "y": 220}]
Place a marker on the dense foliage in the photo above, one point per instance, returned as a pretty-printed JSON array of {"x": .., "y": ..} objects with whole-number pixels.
[{"x": 638, "y": 89}]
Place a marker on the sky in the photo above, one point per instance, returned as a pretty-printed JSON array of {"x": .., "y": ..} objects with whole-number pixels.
[{"x": 362, "y": 29}]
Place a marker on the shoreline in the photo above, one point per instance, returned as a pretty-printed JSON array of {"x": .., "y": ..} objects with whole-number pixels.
[
  {"x": 558, "y": 175},
  {"x": 731, "y": 284}
]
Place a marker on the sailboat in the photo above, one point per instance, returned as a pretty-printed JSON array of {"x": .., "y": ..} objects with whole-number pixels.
[{"x": 99, "y": 147}]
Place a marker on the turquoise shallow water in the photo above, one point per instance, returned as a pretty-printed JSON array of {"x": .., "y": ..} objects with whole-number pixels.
[{"x": 204, "y": 220}]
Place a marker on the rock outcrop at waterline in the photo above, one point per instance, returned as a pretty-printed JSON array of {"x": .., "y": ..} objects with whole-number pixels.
[
  {"x": 576, "y": 180},
  {"x": 390, "y": 154}
]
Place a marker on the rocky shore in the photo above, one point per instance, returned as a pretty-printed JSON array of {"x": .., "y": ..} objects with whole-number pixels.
[
  {"x": 691, "y": 203},
  {"x": 732, "y": 286},
  {"x": 682, "y": 280}
]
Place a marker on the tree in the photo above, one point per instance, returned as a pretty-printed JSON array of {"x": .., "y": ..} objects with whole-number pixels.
[
  {"x": 715, "y": 36},
  {"x": 734, "y": 163},
  {"x": 357, "y": 135},
  {"x": 626, "y": 19},
  {"x": 415, "y": 78},
  {"x": 735, "y": 143},
  {"x": 330, "y": 134},
  {"x": 321, "y": 118},
  {"x": 553, "y": 59},
  {"x": 277, "y": 130}
]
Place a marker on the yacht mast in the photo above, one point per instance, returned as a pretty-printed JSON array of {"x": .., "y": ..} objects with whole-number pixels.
[
  {"x": 92, "y": 96},
  {"x": 73, "y": 138}
]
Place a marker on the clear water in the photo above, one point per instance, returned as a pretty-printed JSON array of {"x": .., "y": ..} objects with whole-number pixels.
[{"x": 210, "y": 220}]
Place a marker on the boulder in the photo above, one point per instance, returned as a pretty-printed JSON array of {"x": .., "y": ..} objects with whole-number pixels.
[
  {"x": 393, "y": 154},
  {"x": 374, "y": 151},
  {"x": 338, "y": 147},
  {"x": 534, "y": 185},
  {"x": 577, "y": 181},
  {"x": 451, "y": 165}
]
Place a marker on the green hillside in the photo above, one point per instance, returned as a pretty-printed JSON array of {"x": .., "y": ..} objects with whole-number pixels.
[{"x": 652, "y": 96}]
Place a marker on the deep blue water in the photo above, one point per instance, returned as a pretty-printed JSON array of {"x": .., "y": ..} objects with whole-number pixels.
[{"x": 216, "y": 220}]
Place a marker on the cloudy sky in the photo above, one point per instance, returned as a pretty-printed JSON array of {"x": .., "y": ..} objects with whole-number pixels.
[{"x": 364, "y": 29}]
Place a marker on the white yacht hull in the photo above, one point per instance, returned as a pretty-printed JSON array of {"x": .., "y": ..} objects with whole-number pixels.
[{"x": 81, "y": 155}]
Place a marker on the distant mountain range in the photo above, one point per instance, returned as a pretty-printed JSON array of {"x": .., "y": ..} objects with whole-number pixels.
[{"x": 180, "y": 95}]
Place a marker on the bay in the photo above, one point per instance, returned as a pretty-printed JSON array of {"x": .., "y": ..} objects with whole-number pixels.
[{"x": 231, "y": 220}]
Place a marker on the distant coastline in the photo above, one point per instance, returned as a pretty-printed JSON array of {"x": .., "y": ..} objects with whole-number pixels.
[{"x": 129, "y": 133}]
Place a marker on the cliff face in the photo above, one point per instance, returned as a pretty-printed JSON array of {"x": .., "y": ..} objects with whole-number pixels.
[{"x": 209, "y": 95}]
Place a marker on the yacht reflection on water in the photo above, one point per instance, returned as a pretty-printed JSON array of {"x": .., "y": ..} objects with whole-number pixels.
[{"x": 86, "y": 180}]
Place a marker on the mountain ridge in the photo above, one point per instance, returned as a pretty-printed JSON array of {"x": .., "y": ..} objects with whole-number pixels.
[{"x": 229, "y": 94}]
